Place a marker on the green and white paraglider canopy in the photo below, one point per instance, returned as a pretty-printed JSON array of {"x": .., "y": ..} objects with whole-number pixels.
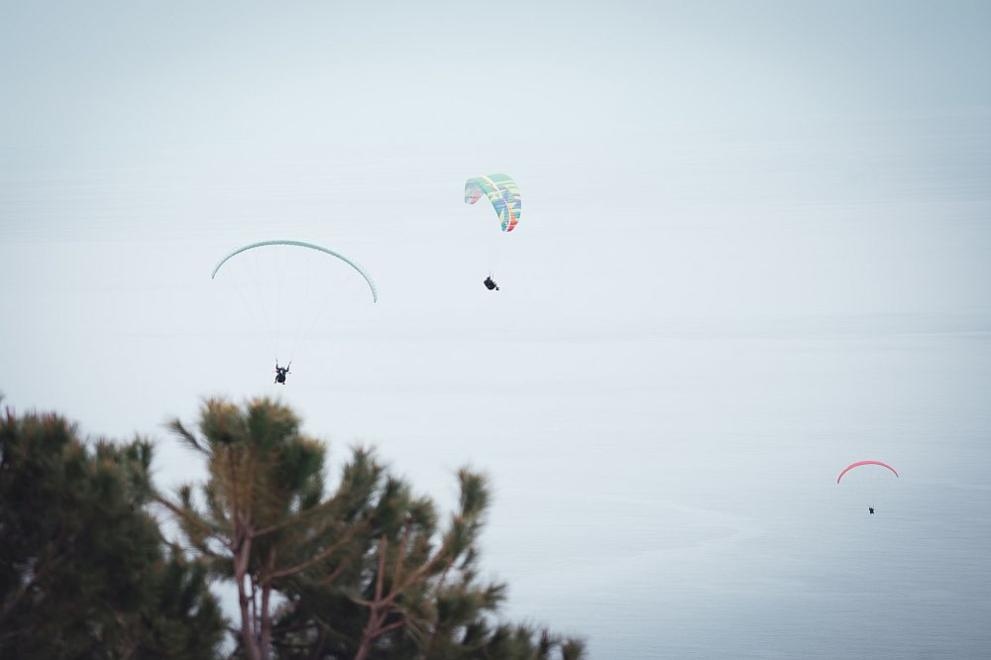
[{"x": 300, "y": 244}]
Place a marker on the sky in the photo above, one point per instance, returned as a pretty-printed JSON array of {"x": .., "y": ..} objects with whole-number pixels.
[{"x": 754, "y": 241}]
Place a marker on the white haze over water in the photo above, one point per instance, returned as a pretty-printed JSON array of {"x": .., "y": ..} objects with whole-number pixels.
[{"x": 754, "y": 248}]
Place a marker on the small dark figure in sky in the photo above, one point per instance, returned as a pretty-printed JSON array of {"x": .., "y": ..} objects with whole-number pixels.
[
  {"x": 871, "y": 510},
  {"x": 281, "y": 372},
  {"x": 490, "y": 283}
]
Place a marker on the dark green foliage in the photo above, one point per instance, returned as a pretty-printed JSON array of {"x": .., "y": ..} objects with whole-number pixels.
[
  {"x": 83, "y": 570},
  {"x": 366, "y": 569},
  {"x": 263, "y": 519}
]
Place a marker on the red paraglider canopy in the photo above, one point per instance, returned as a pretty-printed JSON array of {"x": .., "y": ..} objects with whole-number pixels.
[{"x": 859, "y": 463}]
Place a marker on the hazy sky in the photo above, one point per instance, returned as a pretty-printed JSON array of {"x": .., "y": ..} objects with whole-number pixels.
[{"x": 742, "y": 223}]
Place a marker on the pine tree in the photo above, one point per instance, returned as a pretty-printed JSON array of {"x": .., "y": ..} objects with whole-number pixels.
[
  {"x": 83, "y": 568},
  {"x": 364, "y": 572},
  {"x": 263, "y": 518}
]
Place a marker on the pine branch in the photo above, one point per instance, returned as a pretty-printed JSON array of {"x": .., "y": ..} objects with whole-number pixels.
[
  {"x": 186, "y": 436},
  {"x": 325, "y": 554},
  {"x": 183, "y": 513}
]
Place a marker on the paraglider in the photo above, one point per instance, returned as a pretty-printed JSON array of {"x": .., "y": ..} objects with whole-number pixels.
[
  {"x": 288, "y": 272},
  {"x": 504, "y": 195},
  {"x": 860, "y": 464}
]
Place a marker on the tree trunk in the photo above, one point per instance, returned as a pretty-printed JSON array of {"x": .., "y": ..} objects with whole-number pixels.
[
  {"x": 266, "y": 617},
  {"x": 241, "y": 555}
]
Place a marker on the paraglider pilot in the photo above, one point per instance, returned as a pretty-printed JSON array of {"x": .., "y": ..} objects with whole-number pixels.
[
  {"x": 871, "y": 510},
  {"x": 490, "y": 283},
  {"x": 281, "y": 372}
]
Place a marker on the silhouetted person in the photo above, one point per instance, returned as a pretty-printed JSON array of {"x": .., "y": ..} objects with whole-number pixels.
[
  {"x": 490, "y": 283},
  {"x": 871, "y": 510},
  {"x": 281, "y": 372}
]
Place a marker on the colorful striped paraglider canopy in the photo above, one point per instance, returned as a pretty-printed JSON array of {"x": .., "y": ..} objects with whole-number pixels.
[{"x": 502, "y": 192}]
